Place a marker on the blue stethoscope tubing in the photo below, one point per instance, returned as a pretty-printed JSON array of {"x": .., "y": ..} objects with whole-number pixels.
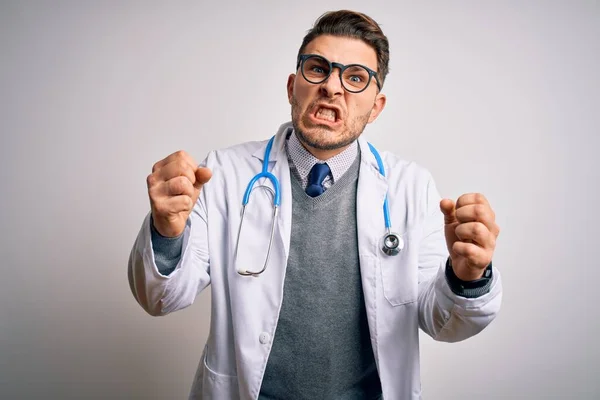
[
  {"x": 386, "y": 207},
  {"x": 391, "y": 245},
  {"x": 265, "y": 174}
]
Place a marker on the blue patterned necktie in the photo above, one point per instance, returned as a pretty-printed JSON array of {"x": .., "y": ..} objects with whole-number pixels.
[{"x": 317, "y": 175}]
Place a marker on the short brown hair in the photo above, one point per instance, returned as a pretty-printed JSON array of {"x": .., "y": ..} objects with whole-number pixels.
[{"x": 357, "y": 25}]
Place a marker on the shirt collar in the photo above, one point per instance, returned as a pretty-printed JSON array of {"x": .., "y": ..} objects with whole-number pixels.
[{"x": 303, "y": 160}]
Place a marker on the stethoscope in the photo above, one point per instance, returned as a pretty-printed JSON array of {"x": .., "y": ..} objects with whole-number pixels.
[{"x": 391, "y": 243}]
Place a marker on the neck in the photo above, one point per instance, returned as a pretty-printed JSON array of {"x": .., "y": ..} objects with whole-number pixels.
[{"x": 322, "y": 154}]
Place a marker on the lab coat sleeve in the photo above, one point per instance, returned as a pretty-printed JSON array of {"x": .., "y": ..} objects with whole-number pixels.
[
  {"x": 444, "y": 315},
  {"x": 159, "y": 294}
]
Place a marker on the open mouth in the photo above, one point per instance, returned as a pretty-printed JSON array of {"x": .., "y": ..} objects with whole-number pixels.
[{"x": 326, "y": 115}]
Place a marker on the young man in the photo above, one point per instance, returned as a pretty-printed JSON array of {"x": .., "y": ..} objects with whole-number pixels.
[{"x": 317, "y": 300}]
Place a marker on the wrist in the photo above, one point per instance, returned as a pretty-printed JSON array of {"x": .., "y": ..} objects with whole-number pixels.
[
  {"x": 162, "y": 232},
  {"x": 465, "y": 273},
  {"x": 469, "y": 288}
]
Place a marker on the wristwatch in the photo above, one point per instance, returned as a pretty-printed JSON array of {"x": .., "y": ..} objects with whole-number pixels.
[{"x": 468, "y": 289}]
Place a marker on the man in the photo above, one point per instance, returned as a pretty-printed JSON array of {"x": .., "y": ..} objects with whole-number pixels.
[{"x": 306, "y": 304}]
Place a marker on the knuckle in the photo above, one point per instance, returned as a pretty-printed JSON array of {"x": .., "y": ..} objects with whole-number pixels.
[
  {"x": 184, "y": 185},
  {"x": 459, "y": 230},
  {"x": 183, "y": 180},
  {"x": 185, "y": 203},
  {"x": 180, "y": 181},
  {"x": 182, "y": 165},
  {"x": 150, "y": 179},
  {"x": 160, "y": 208},
  {"x": 168, "y": 188},
  {"x": 175, "y": 186},
  {"x": 480, "y": 229},
  {"x": 184, "y": 168},
  {"x": 152, "y": 193},
  {"x": 171, "y": 208},
  {"x": 466, "y": 228},
  {"x": 474, "y": 230},
  {"x": 471, "y": 251},
  {"x": 179, "y": 185},
  {"x": 191, "y": 190},
  {"x": 479, "y": 210},
  {"x": 463, "y": 249},
  {"x": 471, "y": 230}
]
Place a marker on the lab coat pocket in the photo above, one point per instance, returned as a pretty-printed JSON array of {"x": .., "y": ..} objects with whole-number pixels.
[
  {"x": 400, "y": 275},
  {"x": 215, "y": 386}
]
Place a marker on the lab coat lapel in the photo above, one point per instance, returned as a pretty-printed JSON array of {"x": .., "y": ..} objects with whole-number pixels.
[
  {"x": 281, "y": 170},
  {"x": 371, "y": 192}
]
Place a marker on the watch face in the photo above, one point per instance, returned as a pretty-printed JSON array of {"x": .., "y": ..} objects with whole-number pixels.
[{"x": 468, "y": 288}]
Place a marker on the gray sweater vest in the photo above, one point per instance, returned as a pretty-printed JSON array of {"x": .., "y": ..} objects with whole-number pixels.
[{"x": 322, "y": 347}]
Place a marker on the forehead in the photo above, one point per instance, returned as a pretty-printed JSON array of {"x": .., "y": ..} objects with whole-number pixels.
[{"x": 343, "y": 50}]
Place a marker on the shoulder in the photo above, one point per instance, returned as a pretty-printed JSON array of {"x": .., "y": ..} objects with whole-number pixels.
[
  {"x": 234, "y": 154},
  {"x": 398, "y": 168},
  {"x": 410, "y": 188},
  {"x": 251, "y": 151},
  {"x": 411, "y": 181}
]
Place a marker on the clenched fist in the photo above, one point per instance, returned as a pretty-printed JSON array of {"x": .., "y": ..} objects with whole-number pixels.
[
  {"x": 471, "y": 233},
  {"x": 173, "y": 187}
]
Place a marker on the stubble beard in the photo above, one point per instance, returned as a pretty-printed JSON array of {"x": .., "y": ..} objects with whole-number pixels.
[{"x": 322, "y": 138}]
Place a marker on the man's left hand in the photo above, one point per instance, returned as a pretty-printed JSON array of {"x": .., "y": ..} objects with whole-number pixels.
[{"x": 471, "y": 232}]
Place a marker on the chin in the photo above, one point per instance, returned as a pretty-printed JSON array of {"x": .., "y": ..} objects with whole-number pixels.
[{"x": 321, "y": 137}]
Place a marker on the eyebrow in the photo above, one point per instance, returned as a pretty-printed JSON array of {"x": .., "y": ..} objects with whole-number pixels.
[{"x": 323, "y": 55}]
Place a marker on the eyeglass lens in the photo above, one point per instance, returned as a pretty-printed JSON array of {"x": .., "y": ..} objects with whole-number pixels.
[{"x": 354, "y": 78}]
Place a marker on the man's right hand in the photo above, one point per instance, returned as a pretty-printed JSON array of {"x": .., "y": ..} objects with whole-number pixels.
[{"x": 173, "y": 187}]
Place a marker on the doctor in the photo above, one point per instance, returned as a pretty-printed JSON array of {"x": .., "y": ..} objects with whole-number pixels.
[{"x": 311, "y": 304}]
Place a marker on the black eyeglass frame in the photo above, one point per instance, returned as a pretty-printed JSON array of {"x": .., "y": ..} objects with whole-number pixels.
[{"x": 372, "y": 74}]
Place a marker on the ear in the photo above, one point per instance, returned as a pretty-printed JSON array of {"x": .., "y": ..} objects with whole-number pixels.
[
  {"x": 378, "y": 106},
  {"x": 290, "y": 86}
]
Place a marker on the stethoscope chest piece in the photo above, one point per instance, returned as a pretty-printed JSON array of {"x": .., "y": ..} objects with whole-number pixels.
[{"x": 392, "y": 244}]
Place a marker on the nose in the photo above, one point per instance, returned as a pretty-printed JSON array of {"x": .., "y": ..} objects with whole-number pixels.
[{"x": 332, "y": 86}]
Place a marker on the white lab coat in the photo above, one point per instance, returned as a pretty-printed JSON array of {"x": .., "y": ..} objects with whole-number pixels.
[{"x": 401, "y": 293}]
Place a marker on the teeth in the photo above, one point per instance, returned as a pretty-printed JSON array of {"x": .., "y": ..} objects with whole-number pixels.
[{"x": 327, "y": 114}]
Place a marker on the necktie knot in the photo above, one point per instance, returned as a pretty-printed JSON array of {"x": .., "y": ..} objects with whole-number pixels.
[{"x": 317, "y": 175}]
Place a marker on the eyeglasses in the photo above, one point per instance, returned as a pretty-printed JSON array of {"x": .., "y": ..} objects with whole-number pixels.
[{"x": 355, "y": 78}]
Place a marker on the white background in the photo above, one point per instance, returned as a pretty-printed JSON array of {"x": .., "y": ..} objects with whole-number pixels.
[{"x": 496, "y": 97}]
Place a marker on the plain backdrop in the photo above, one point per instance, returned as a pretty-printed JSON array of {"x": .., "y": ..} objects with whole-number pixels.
[{"x": 499, "y": 97}]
